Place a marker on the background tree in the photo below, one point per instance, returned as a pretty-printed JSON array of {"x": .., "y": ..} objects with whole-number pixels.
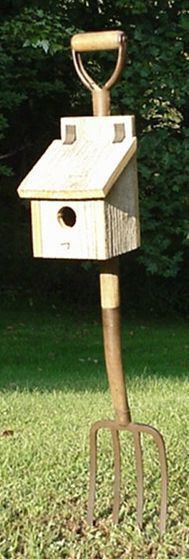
[{"x": 38, "y": 85}]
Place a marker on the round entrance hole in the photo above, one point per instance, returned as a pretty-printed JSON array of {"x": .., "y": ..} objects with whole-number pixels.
[{"x": 66, "y": 216}]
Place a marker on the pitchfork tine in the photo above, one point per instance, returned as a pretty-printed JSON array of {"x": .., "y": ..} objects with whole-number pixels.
[
  {"x": 104, "y": 424},
  {"x": 140, "y": 477},
  {"x": 137, "y": 429}
]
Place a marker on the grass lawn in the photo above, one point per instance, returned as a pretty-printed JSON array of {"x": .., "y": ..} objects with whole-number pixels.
[{"x": 53, "y": 387}]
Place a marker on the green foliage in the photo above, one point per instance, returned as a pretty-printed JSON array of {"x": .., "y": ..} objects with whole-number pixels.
[
  {"x": 164, "y": 168},
  {"x": 34, "y": 61},
  {"x": 155, "y": 91},
  {"x": 39, "y": 85}
]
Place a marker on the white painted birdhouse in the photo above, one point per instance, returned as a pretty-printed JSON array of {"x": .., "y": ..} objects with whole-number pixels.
[{"x": 83, "y": 191}]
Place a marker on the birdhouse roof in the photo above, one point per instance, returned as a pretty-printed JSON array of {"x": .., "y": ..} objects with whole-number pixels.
[{"x": 85, "y": 163}]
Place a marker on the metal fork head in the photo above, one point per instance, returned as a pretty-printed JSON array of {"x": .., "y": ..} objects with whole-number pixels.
[{"x": 136, "y": 429}]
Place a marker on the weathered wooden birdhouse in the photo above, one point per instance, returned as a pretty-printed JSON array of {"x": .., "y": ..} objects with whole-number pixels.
[{"x": 83, "y": 191}]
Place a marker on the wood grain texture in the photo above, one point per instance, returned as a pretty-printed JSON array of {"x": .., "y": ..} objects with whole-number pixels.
[
  {"x": 102, "y": 228},
  {"x": 109, "y": 284},
  {"x": 93, "y": 184},
  {"x": 36, "y": 229},
  {"x": 85, "y": 169},
  {"x": 122, "y": 213},
  {"x": 85, "y": 240},
  {"x": 114, "y": 366}
]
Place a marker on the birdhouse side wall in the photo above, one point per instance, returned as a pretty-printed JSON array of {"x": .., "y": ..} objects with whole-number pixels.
[{"x": 122, "y": 213}]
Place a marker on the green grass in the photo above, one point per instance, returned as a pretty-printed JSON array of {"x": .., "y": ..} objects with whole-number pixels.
[{"x": 53, "y": 387}]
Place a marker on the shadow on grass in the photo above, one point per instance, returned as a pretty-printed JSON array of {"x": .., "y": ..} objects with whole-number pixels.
[{"x": 57, "y": 347}]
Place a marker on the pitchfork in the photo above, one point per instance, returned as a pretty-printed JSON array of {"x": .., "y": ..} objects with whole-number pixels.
[{"x": 110, "y": 304}]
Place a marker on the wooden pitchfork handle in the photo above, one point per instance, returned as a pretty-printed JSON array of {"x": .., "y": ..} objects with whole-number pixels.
[
  {"x": 109, "y": 275},
  {"x": 110, "y": 304},
  {"x": 105, "y": 40}
]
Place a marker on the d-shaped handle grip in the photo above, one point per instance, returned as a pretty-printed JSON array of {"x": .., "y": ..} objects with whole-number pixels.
[{"x": 101, "y": 40}]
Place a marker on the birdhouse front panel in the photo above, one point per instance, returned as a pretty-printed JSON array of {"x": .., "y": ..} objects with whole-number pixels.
[
  {"x": 83, "y": 191},
  {"x": 74, "y": 229}
]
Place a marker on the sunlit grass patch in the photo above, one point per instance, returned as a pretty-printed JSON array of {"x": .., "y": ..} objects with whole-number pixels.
[{"x": 53, "y": 387}]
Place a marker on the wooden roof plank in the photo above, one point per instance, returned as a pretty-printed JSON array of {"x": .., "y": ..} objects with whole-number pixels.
[{"x": 86, "y": 168}]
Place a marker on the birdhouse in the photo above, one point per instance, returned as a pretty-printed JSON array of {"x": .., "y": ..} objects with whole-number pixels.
[{"x": 83, "y": 191}]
